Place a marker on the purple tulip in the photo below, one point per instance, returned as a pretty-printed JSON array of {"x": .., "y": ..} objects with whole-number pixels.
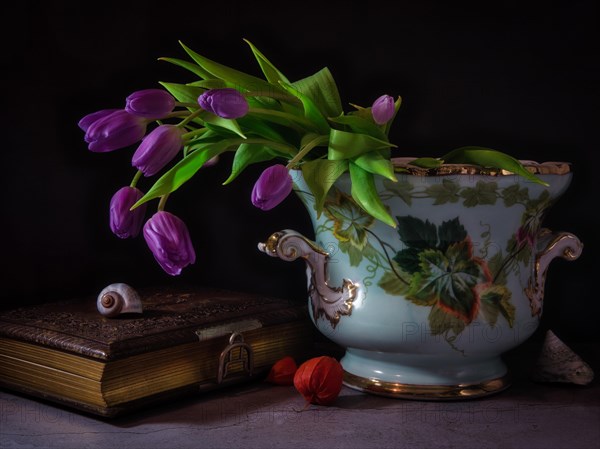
[
  {"x": 113, "y": 131},
  {"x": 158, "y": 149},
  {"x": 150, "y": 103},
  {"x": 226, "y": 103},
  {"x": 272, "y": 187},
  {"x": 86, "y": 121},
  {"x": 168, "y": 238},
  {"x": 124, "y": 222},
  {"x": 383, "y": 109}
]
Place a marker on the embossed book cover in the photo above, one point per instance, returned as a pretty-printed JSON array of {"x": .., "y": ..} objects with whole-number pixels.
[{"x": 183, "y": 341}]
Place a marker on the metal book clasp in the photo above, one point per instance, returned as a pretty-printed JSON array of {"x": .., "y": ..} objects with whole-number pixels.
[{"x": 236, "y": 352}]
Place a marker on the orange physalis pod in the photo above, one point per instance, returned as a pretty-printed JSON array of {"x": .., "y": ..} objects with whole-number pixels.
[
  {"x": 319, "y": 380},
  {"x": 282, "y": 372}
]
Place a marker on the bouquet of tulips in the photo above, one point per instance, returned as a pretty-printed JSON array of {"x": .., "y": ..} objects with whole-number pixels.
[{"x": 301, "y": 125}]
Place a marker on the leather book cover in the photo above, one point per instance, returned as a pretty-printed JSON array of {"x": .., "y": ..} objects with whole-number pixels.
[{"x": 169, "y": 318}]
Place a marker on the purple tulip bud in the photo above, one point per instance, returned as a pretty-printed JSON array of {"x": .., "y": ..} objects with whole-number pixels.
[
  {"x": 158, "y": 149},
  {"x": 211, "y": 162},
  {"x": 150, "y": 103},
  {"x": 124, "y": 222},
  {"x": 168, "y": 238},
  {"x": 383, "y": 109},
  {"x": 272, "y": 187},
  {"x": 226, "y": 103},
  {"x": 86, "y": 121},
  {"x": 113, "y": 131}
]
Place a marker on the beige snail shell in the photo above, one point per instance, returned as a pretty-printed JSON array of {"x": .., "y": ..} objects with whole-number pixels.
[{"x": 117, "y": 299}]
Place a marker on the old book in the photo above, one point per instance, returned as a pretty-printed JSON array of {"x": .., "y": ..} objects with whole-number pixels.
[{"x": 184, "y": 341}]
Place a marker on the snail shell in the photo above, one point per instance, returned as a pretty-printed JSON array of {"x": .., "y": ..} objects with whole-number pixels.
[{"x": 117, "y": 299}]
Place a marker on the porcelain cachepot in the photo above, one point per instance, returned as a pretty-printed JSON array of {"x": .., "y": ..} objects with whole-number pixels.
[{"x": 425, "y": 309}]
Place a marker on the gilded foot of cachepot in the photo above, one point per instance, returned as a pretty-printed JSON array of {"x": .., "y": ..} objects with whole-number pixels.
[
  {"x": 423, "y": 382},
  {"x": 426, "y": 309},
  {"x": 426, "y": 392}
]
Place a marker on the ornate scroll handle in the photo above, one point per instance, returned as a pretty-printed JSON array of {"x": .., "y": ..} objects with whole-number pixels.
[
  {"x": 332, "y": 302},
  {"x": 560, "y": 244},
  {"x": 288, "y": 245}
]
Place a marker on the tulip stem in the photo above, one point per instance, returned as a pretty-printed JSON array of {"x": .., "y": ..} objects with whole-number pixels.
[
  {"x": 190, "y": 117},
  {"x": 186, "y": 105},
  {"x": 304, "y": 150},
  {"x": 135, "y": 179},
  {"x": 194, "y": 133},
  {"x": 176, "y": 114},
  {"x": 162, "y": 202}
]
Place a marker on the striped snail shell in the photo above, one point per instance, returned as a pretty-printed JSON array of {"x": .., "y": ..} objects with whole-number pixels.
[{"x": 117, "y": 299}]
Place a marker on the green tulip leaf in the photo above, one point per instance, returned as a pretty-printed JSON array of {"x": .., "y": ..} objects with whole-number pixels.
[
  {"x": 487, "y": 158},
  {"x": 295, "y": 119},
  {"x": 375, "y": 163},
  {"x": 320, "y": 175},
  {"x": 365, "y": 194},
  {"x": 261, "y": 128},
  {"x": 346, "y": 145},
  {"x": 229, "y": 124},
  {"x": 183, "y": 171},
  {"x": 272, "y": 74},
  {"x": 194, "y": 68},
  {"x": 427, "y": 162},
  {"x": 322, "y": 90},
  {"x": 212, "y": 83},
  {"x": 183, "y": 92},
  {"x": 245, "y": 155},
  {"x": 360, "y": 124},
  {"x": 311, "y": 111},
  {"x": 217, "y": 70}
]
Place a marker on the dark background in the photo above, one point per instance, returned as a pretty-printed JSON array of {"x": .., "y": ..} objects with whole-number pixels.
[{"x": 520, "y": 79}]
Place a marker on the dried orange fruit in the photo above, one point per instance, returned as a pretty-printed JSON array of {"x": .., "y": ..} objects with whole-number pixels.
[
  {"x": 319, "y": 380},
  {"x": 282, "y": 372}
]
